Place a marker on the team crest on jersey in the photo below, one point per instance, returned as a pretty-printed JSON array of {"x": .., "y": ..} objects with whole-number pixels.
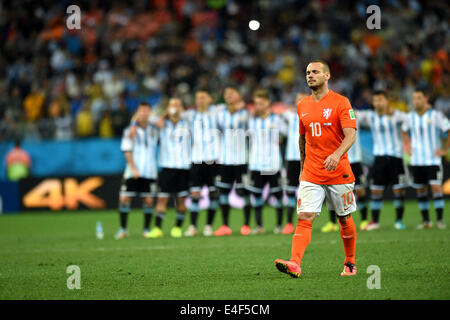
[{"x": 327, "y": 113}]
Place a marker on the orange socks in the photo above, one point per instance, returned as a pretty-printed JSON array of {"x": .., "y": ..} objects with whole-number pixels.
[
  {"x": 300, "y": 240},
  {"x": 302, "y": 237},
  {"x": 348, "y": 235}
]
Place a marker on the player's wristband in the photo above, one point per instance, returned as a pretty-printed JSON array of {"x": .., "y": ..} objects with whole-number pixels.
[{"x": 134, "y": 123}]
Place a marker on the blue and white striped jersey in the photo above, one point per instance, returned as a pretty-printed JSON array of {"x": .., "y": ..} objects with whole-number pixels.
[
  {"x": 292, "y": 148},
  {"x": 385, "y": 131},
  {"x": 265, "y": 133},
  {"x": 355, "y": 152},
  {"x": 233, "y": 126},
  {"x": 204, "y": 134},
  {"x": 143, "y": 150},
  {"x": 175, "y": 145},
  {"x": 425, "y": 132}
]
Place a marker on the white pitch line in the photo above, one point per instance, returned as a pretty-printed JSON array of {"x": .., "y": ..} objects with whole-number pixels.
[{"x": 176, "y": 247}]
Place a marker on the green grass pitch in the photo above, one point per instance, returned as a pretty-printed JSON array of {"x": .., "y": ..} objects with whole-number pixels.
[{"x": 36, "y": 249}]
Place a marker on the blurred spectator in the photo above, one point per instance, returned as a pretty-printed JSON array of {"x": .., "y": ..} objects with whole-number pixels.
[
  {"x": 33, "y": 104},
  {"x": 120, "y": 119},
  {"x": 132, "y": 102},
  {"x": 131, "y": 83},
  {"x": 4, "y": 101},
  {"x": 29, "y": 131},
  {"x": 14, "y": 105},
  {"x": 18, "y": 162},
  {"x": 287, "y": 73},
  {"x": 97, "y": 106},
  {"x": 60, "y": 60},
  {"x": 73, "y": 87},
  {"x": 141, "y": 61},
  {"x": 396, "y": 102},
  {"x": 85, "y": 122},
  {"x": 62, "y": 122},
  {"x": 442, "y": 103},
  {"x": 105, "y": 127},
  {"x": 150, "y": 83},
  {"x": 8, "y": 128},
  {"x": 104, "y": 74},
  {"x": 92, "y": 90},
  {"x": 59, "y": 105},
  {"x": 112, "y": 89},
  {"x": 46, "y": 128}
]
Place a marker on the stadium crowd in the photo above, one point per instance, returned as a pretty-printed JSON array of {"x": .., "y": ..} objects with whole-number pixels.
[{"x": 63, "y": 84}]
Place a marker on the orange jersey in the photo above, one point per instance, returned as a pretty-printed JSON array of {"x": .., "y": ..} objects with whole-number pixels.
[{"x": 322, "y": 124}]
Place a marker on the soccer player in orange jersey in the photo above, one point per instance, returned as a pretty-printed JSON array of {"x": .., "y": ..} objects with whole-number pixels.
[{"x": 327, "y": 128}]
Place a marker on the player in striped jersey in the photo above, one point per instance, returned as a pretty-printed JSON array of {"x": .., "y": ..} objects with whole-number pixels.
[
  {"x": 174, "y": 159},
  {"x": 388, "y": 167},
  {"x": 205, "y": 155},
  {"x": 355, "y": 158},
  {"x": 264, "y": 129},
  {"x": 422, "y": 133},
  {"x": 292, "y": 156},
  {"x": 140, "y": 173},
  {"x": 232, "y": 122}
]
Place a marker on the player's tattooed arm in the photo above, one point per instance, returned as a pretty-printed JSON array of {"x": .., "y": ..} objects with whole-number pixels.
[
  {"x": 302, "y": 146},
  {"x": 332, "y": 161}
]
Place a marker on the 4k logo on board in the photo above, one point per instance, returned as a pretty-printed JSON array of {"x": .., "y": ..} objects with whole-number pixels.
[{"x": 49, "y": 193}]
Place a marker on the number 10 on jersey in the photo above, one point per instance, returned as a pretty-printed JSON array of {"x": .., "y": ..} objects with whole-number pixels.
[
  {"x": 316, "y": 129},
  {"x": 348, "y": 198}
]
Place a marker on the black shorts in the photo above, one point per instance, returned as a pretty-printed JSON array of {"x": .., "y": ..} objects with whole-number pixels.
[
  {"x": 140, "y": 186},
  {"x": 230, "y": 174},
  {"x": 256, "y": 182},
  {"x": 388, "y": 171},
  {"x": 203, "y": 175},
  {"x": 360, "y": 177},
  {"x": 173, "y": 181},
  {"x": 293, "y": 173},
  {"x": 424, "y": 175}
]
